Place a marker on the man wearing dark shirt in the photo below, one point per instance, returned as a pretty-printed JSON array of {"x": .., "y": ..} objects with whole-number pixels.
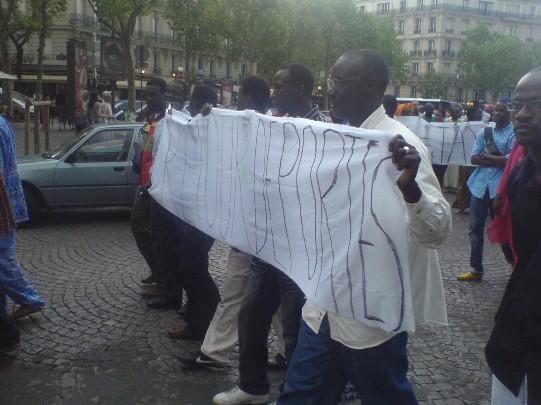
[{"x": 513, "y": 351}]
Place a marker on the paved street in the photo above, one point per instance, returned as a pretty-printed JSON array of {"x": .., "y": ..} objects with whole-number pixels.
[{"x": 97, "y": 343}]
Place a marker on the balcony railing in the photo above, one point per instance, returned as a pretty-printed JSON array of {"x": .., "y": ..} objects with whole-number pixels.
[
  {"x": 430, "y": 52},
  {"x": 87, "y": 22},
  {"x": 449, "y": 31},
  {"x": 470, "y": 10},
  {"x": 153, "y": 38},
  {"x": 448, "y": 54},
  {"x": 416, "y": 54},
  {"x": 417, "y": 31}
]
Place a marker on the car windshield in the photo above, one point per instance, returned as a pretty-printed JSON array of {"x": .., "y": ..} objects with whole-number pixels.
[{"x": 60, "y": 151}]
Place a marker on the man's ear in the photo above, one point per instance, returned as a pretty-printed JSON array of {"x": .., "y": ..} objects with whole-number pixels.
[
  {"x": 300, "y": 91},
  {"x": 371, "y": 85}
]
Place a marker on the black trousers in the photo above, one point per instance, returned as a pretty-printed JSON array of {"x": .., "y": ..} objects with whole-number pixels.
[
  {"x": 267, "y": 288},
  {"x": 167, "y": 234},
  {"x": 141, "y": 227},
  {"x": 201, "y": 291}
]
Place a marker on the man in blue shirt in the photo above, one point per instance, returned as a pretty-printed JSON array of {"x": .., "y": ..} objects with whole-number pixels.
[{"x": 490, "y": 153}]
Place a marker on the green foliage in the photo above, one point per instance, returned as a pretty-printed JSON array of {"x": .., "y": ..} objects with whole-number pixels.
[
  {"x": 432, "y": 85},
  {"x": 197, "y": 22},
  {"x": 492, "y": 62}
]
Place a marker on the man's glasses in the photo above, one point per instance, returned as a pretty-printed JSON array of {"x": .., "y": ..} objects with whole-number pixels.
[
  {"x": 336, "y": 83},
  {"x": 532, "y": 106}
]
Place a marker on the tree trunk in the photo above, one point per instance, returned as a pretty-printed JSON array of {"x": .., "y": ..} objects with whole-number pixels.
[
  {"x": 39, "y": 82},
  {"x": 5, "y": 65},
  {"x": 130, "y": 73}
]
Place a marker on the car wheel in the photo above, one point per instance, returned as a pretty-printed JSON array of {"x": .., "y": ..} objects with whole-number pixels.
[{"x": 32, "y": 206}]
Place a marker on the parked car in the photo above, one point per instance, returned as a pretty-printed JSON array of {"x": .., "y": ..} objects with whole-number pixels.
[
  {"x": 123, "y": 105},
  {"x": 139, "y": 113},
  {"x": 18, "y": 100},
  {"x": 93, "y": 169}
]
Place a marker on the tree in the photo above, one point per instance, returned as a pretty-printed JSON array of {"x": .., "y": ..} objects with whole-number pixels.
[
  {"x": 23, "y": 25},
  {"x": 8, "y": 8},
  {"x": 492, "y": 62},
  {"x": 197, "y": 23},
  {"x": 432, "y": 85},
  {"x": 119, "y": 16}
]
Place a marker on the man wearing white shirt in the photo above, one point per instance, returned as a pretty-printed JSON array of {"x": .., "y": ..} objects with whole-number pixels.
[{"x": 332, "y": 349}]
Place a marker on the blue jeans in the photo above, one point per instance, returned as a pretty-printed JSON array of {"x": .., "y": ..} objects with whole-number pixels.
[
  {"x": 479, "y": 208},
  {"x": 321, "y": 367},
  {"x": 13, "y": 284}
]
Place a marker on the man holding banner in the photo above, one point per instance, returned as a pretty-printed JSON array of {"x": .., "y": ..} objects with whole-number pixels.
[{"x": 332, "y": 348}]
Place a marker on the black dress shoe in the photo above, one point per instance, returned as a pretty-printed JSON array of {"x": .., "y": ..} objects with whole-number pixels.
[{"x": 164, "y": 303}]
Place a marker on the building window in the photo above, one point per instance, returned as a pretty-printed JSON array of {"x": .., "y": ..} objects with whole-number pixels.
[
  {"x": 413, "y": 91},
  {"x": 448, "y": 45},
  {"x": 400, "y": 26},
  {"x": 397, "y": 91},
  {"x": 465, "y": 4},
  {"x": 419, "y": 4},
  {"x": 362, "y": 9},
  {"x": 156, "y": 64},
  {"x": 81, "y": 6},
  {"x": 512, "y": 9},
  {"x": 432, "y": 27},
  {"x": 430, "y": 67},
  {"x": 417, "y": 46},
  {"x": 415, "y": 69},
  {"x": 431, "y": 45},
  {"x": 155, "y": 25},
  {"x": 485, "y": 7},
  {"x": 138, "y": 24},
  {"x": 418, "y": 25},
  {"x": 384, "y": 8},
  {"x": 530, "y": 31},
  {"x": 449, "y": 26},
  {"x": 531, "y": 11},
  {"x": 402, "y": 6},
  {"x": 434, "y": 4},
  {"x": 511, "y": 30},
  {"x": 228, "y": 70}
]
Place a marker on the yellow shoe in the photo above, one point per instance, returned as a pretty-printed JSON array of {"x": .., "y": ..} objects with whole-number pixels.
[{"x": 469, "y": 276}]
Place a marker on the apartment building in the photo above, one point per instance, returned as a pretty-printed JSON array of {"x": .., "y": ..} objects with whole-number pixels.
[
  {"x": 432, "y": 31},
  {"x": 166, "y": 55}
]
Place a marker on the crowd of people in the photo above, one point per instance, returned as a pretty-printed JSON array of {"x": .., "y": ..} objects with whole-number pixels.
[{"x": 321, "y": 350}]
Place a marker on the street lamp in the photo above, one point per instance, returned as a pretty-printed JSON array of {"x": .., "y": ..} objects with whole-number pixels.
[{"x": 141, "y": 92}]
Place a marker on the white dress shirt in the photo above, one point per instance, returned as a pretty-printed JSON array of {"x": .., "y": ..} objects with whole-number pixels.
[{"x": 428, "y": 222}]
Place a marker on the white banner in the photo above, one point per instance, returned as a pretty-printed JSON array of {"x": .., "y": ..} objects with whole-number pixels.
[
  {"x": 318, "y": 201},
  {"x": 448, "y": 144}
]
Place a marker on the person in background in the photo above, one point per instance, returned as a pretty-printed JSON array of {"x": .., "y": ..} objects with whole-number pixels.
[
  {"x": 428, "y": 114},
  {"x": 60, "y": 104},
  {"x": 454, "y": 116},
  {"x": 93, "y": 108},
  {"x": 390, "y": 104},
  {"x": 81, "y": 117},
  {"x": 439, "y": 115},
  {"x": 106, "y": 113},
  {"x": 490, "y": 153}
]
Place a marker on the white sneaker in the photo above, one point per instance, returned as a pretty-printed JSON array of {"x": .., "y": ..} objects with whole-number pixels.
[{"x": 236, "y": 396}]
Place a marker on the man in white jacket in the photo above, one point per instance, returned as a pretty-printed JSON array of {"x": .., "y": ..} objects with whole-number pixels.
[{"x": 332, "y": 349}]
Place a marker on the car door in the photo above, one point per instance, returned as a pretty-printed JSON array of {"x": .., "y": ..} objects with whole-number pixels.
[{"x": 96, "y": 172}]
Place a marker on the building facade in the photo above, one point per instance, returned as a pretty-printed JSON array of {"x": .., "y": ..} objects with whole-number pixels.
[
  {"x": 166, "y": 55},
  {"x": 432, "y": 31}
]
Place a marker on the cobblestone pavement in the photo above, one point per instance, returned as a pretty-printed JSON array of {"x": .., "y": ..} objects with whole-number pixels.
[{"x": 97, "y": 343}]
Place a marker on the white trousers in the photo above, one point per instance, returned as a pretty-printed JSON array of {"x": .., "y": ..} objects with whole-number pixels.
[
  {"x": 502, "y": 396},
  {"x": 222, "y": 334}
]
